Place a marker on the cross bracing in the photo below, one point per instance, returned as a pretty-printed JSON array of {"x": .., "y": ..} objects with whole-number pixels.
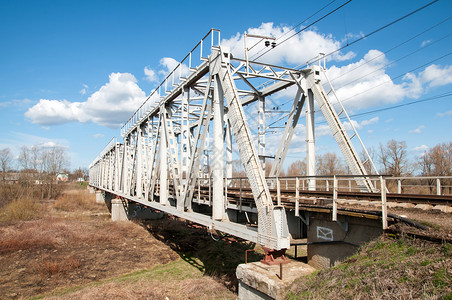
[{"x": 185, "y": 135}]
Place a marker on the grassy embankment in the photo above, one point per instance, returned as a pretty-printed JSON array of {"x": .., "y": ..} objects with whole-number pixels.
[{"x": 390, "y": 268}]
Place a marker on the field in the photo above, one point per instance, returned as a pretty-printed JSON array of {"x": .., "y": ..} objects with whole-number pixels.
[
  {"x": 387, "y": 268},
  {"x": 69, "y": 248}
]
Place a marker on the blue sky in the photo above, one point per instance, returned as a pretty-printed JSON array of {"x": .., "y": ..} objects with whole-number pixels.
[{"x": 72, "y": 71}]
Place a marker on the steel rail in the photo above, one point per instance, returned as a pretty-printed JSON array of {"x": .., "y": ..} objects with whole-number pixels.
[{"x": 326, "y": 195}]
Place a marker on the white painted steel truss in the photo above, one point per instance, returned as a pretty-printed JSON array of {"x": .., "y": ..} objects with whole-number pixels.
[{"x": 182, "y": 138}]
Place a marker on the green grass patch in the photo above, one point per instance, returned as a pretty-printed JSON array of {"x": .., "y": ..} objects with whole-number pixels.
[
  {"x": 387, "y": 267},
  {"x": 173, "y": 271}
]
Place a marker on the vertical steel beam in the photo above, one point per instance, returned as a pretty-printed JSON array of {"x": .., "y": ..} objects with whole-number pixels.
[
  {"x": 310, "y": 141},
  {"x": 163, "y": 161},
  {"x": 185, "y": 134},
  {"x": 117, "y": 176},
  {"x": 218, "y": 152},
  {"x": 261, "y": 131},
  {"x": 335, "y": 187},
  {"x": 228, "y": 150},
  {"x": 139, "y": 163},
  {"x": 384, "y": 211}
]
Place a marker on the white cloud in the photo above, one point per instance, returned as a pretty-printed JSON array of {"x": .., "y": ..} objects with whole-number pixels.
[
  {"x": 98, "y": 135},
  {"x": 15, "y": 103},
  {"x": 166, "y": 66},
  {"x": 84, "y": 90},
  {"x": 151, "y": 76},
  {"x": 370, "y": 121},
  {"x": 425, "y": 42},
  {"x": 19, "y": 139},
  {"x": 436, "y": 76},
  {"x": 365, "y": 84},
  {"x": 110, "y": 106},
  {"x": 361, "y": 124},
  {"x": 445, "y": 114},
  {"x": 417, "y": 130},
  {"x": 50, "y": 145},
  {"x": 297, "y": 50},
  {"x": 421, "y": 148}
]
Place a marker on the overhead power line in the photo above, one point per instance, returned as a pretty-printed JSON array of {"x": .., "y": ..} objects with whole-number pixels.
[
  {"x": 393, "y": 62},
  {"x": 375, "y": 31},
  {"x": 436, "y": 97},
  {"x": 401, "y": 75},
  {"x": 393, "y": 48},
  {"x": 296, "y": 26},
  {"x": 304, "y": 28}
]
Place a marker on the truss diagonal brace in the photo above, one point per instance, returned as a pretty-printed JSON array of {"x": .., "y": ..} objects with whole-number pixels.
[
  {"x": 272, "y": 228},
  {"x": 288, "y": 132}
]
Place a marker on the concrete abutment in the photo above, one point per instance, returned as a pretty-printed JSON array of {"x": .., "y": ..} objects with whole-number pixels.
[{"x": 328, "y": 244}]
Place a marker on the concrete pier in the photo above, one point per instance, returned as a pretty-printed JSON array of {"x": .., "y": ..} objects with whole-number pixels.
[
  {"x": 100, "y": 197},
  {"x": 261, "y": 281},
  {"x": 118, "y": 213},
  {"x": 90, "y": 189},
  {"x": 331, "y": 242}
]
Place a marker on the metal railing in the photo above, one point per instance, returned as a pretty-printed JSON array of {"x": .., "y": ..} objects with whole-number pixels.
[
  {"x": 177, "y": 76},
  {"x": 430, "y": 185}
]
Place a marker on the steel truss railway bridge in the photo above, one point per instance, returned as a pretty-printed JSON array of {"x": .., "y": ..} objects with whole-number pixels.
[{"x": 177, "y": 151}]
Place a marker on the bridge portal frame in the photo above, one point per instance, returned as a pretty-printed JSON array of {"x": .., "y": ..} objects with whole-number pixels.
[{"x": 165, "y": 152}]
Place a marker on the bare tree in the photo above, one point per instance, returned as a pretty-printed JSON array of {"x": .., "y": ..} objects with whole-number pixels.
[
  {"x": 24, "y": 158},
  {"x": 54, "y": 159},
  {"x": 438, "y": 160},
  {"x": 365, "y": 159},
  {"x": 35, "y": 157},
  {"x": 329, "y": 164},
  {"x": 394, "y": 158},
  {"x": 298, "y": 167},
  {"x": 5, "y": 161},
  {"x": 51, "y": 161}
]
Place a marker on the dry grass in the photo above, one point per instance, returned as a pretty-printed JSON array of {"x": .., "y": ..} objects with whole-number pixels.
[
  {"x": 386, "y": 268},
  {"x": 49, "y": 266},
  {"x": 56, "y": 232},
  {"x": 20, "y": 210},
  {"x": 175, "y": 280},
  {"x": 76, "y": 200}
]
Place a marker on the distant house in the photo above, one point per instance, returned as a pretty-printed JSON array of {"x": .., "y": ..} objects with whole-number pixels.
[
  {"x": 10, "y": 178},
  {"x": 62, "y": 177}
]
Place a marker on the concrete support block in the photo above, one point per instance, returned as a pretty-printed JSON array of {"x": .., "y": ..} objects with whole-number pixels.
[
  {"x": 405, "y": 205},
  {"x": 340, "y": 201},
  {"x": 260, "y": 281},
  {"x": 362, "y": 202},
  {"x": 374, "y": 203},
  {"x": 424, "y": 206},
  {"x": 118, "y": 213},
  {"x": 90, "y": 189},
  {"x": 391, "y": 204},
  {"x": 100, "y": 197},
  {"x": 443, "y": 208},
  {"x": 338, "y": 240}
]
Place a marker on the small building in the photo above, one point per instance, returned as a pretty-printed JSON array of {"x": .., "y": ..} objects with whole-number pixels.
[{"x": 62, "y": 177}]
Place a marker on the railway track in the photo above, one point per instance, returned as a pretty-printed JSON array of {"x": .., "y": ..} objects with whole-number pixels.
[
  {"x": 390, "y": 197},
  {"x": 323, "y": 199}
]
